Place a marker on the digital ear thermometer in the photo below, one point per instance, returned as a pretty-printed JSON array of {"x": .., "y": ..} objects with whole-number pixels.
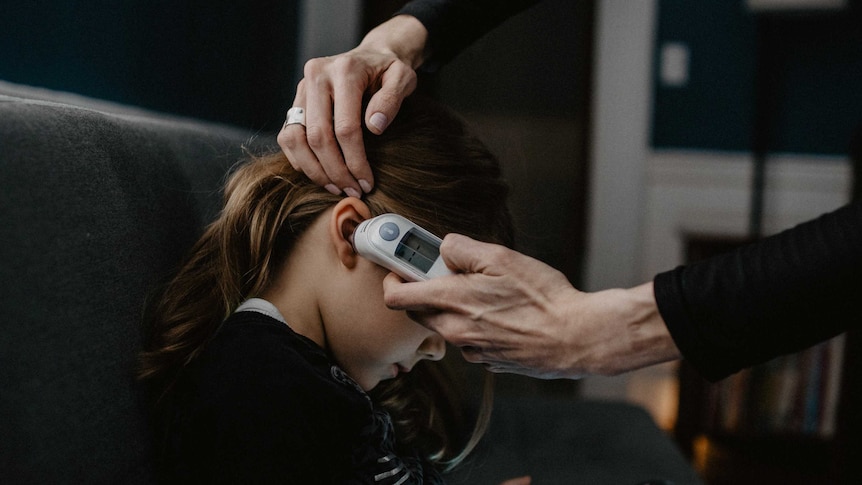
[{"x": 400, "y": 246}]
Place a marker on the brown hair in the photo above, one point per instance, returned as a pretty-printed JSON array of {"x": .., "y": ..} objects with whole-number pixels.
[{"x": 427, "y": 167}]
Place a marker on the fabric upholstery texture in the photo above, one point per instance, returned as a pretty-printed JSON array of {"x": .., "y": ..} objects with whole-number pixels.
[
  {"x": 97, "y": 206},
  {"x": 564, "y": 441}
]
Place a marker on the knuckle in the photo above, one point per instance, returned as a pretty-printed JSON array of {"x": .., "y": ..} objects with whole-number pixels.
[
  {"x": 320, "y": 69},
  {"x": 284, "y": 139},
  {"x": 289, "y": 139},
  {"x": 347, "y": 129},
  {"x": 313, "y": 67},
  {"x": 346, "y": 65},
  {"x": 342, "y": 63},
  {"x": 404, "y": 81},
  {"x": 318, "y": 137},
  {"x": 405, "y": 72},
  {"x": 498, "y": 255}
]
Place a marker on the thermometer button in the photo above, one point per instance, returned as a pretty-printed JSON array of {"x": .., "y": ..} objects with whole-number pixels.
[{"x": 389, "y": 231}]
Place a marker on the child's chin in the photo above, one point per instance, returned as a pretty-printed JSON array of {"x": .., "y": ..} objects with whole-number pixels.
[{"x": 369, "y": 386}]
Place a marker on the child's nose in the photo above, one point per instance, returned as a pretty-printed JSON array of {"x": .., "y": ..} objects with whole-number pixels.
[{"x": 433, "y": 347}]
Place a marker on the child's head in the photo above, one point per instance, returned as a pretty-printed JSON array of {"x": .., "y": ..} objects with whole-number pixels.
[
  {"x": 293, "y": 238},
  {"x": 281, "y": 237}
]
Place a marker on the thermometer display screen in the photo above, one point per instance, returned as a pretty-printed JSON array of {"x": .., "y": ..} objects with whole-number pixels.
[{"x": 418, "y": 251}]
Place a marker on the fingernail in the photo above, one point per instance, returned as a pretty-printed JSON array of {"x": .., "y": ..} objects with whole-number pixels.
[
  {"x": 366, "y": 187},
  {"x": 332, "y": 189},
  {"x": 350, "y": 191},
  {"x": 379, "y": 121}
]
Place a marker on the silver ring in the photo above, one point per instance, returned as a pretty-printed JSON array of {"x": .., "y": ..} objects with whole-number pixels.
[{"x": 295, "y": 116}]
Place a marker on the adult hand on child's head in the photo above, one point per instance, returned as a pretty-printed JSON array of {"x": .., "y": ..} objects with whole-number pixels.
[
  {"x": 515, "y": 314},
  {"x": 329, "y": 147}
]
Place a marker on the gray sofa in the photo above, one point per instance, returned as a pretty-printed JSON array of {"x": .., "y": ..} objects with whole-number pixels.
[{"x": 98, "y": 202}]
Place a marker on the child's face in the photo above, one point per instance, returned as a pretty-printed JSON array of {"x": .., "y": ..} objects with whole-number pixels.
[{"x": 367, "y": 339}]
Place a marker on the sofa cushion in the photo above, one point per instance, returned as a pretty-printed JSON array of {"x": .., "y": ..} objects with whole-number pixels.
[
  {"x": 565, "y": 441},
  {"x": 98, "y": 203}
]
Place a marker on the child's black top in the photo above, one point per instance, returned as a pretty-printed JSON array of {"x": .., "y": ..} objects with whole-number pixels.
[{"x": 263, "y": 404}]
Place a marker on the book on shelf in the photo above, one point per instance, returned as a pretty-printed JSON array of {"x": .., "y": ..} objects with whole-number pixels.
[{"x": 795, "y": 394}]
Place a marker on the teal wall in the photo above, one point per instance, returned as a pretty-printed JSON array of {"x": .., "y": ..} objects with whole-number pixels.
[
  {"x": 224, "y": 60},
  {"x": 815, "y": 78}
]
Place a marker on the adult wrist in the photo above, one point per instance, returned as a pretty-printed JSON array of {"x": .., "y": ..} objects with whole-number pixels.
[
  {"x": 650, "y": 339},
  {"x": 404, "y": 36}
]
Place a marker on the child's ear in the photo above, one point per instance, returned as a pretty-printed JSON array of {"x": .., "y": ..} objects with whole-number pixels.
[{"x": 346, "y": 215}]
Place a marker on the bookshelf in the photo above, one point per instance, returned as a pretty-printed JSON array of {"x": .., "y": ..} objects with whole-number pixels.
[
  {"x": 795, "y": 395},
  {"x": 793, "y": 420}
]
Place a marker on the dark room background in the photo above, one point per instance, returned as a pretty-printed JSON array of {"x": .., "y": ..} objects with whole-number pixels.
[
  {"x": 221, "y": 60},
  {"x": 813, "y": 74}
]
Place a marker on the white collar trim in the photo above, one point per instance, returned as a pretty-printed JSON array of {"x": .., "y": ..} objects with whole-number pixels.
[{"x": 261, "y": 306}]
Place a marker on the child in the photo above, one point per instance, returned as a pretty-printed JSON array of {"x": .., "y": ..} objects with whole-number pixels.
[{"x": 264, "y": 348}]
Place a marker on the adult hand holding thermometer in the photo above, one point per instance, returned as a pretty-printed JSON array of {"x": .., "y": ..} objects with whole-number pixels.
[{"x": 400, "y": 246}]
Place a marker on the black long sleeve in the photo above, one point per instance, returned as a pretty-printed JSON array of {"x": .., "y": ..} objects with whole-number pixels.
[
  {"x": 455, "y": 24},
  {"x": 779, "y": 295}
]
